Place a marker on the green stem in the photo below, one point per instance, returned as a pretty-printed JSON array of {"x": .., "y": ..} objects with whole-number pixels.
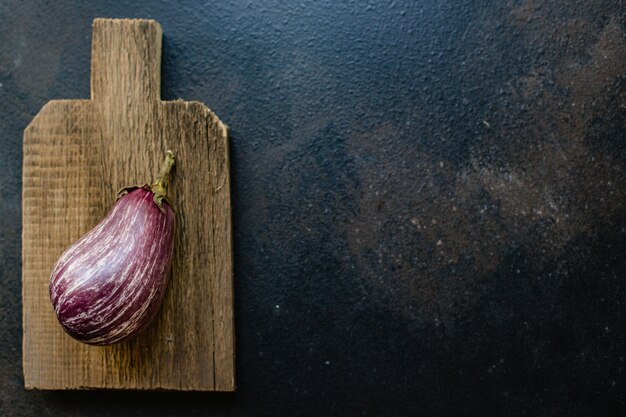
[{"x": 160, "y": 185}]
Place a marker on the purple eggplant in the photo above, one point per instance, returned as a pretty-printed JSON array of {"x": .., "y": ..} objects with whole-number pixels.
[{"x": 108, "y": 286}]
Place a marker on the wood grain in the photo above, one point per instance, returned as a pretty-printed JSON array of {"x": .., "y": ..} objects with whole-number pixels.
[{"x": 77, "y": 154}]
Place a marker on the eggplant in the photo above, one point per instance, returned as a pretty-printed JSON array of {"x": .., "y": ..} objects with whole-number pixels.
[{"x": 108, "y": 286}]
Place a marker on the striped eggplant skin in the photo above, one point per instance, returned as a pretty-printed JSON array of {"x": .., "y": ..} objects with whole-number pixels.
[{"x": 108, "y": 286}]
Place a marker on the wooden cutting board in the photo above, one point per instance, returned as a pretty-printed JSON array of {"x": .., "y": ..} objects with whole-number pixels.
[{"x": 77, "y": 154}]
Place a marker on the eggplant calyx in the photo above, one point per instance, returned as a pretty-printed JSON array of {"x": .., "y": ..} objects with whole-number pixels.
[{"x": 159, "y": 186}]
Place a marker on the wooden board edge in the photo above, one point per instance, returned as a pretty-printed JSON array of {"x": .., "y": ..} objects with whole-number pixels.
[
  {"x": 225, "y": 137},
  {"x": 28, "y": 131}
]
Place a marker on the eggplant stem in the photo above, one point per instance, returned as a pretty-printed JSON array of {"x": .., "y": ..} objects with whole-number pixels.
[{"x": 160, "y": 185}]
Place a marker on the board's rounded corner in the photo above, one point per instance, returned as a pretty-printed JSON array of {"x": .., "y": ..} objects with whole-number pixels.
[
  {"x": 214, "y": 120},
  {"x": 202, "y": 109},
  {"x": 37, "y": 118},
  {"x": 50, "y": 107}
]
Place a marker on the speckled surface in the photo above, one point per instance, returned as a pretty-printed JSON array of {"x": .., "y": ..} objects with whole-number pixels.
[{"x": 429, "y": 200}]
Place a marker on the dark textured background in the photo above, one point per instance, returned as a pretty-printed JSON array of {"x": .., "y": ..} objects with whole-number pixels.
[{"x": 429, "y": 200}]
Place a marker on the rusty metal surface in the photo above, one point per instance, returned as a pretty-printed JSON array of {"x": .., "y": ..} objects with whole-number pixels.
[{"x": 430, "y": 211}]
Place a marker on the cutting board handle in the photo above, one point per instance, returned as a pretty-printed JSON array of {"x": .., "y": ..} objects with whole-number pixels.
[{"x": 126, "y": 62}]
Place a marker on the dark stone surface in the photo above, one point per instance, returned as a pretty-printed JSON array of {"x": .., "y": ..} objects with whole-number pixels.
[{"x": 429, "y": 200}]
